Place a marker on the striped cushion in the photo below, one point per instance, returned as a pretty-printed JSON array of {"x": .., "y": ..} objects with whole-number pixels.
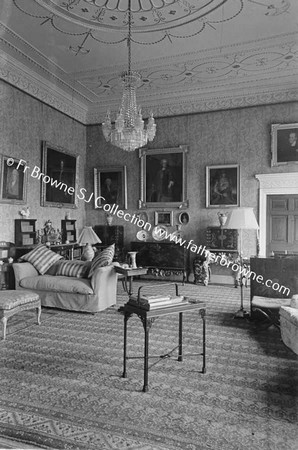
[
  {"x": 103, "y": 258},
  {"x": 41, "y": 258},
  {"x": 74, "y": 268}
]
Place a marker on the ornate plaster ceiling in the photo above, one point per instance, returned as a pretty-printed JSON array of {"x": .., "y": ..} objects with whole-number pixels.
[{"x": 192, "y": 55}]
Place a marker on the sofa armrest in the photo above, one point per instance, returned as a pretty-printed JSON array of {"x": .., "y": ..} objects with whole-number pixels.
[
  {"x": 23, "y": 270},
  {"x": 104, "y": 283},
  {"x": 294, "y": 301}
]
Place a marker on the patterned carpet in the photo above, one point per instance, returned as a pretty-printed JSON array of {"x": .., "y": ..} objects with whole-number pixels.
[
  {"x": 26, "y": 319},
  {"x": 61, "y": 385}
]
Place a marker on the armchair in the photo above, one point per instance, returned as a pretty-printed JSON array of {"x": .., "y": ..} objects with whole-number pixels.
[{"x": 289, "y": 324}]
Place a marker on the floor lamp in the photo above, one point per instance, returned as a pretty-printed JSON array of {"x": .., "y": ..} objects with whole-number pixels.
[{"x": 241, "y": 219}]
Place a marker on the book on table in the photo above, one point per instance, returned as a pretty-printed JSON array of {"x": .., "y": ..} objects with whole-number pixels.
[{"x": 149, "y": 302}]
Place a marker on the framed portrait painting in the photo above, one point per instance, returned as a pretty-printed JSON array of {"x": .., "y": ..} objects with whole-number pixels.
[
  {"x": 13, "y": 187},
  {"x": 222, "y": 186},
  {"x": 284, "y": 144},
  {"x": 163, "y": 218},
  {"x": 59, "y": 184},
  {"x": 110, "y": 186},
  {"x": 183, "y": 218},
  {"x": 163, "y": 177}
]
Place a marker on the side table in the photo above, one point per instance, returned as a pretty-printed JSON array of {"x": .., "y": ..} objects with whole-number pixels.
[
  {"x": 128, "y": 274},
  {"x": 148, "y": 318}
]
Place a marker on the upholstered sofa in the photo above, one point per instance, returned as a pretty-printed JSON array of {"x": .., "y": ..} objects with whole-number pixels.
[
  {"x": 78, "y": 294},
  {"x": 289, "y": 324}
]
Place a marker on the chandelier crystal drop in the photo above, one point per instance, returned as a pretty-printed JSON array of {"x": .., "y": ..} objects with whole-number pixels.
[{"x": 129, "y": 132}]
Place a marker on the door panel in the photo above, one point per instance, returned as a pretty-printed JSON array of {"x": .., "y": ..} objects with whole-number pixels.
[
  {"x": 282, "y": 224},
  {"x": 279, "y": 229}
]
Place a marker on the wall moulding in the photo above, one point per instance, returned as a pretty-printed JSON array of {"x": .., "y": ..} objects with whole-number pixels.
[{"x": 273, "y": 184}]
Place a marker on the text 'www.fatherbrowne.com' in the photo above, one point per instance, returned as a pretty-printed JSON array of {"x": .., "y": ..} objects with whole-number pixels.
[{"x": 221, "y": 259}]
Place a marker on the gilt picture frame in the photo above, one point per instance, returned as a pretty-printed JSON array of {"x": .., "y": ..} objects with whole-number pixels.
[
  {"x": 163, "y": 177},
  {"x": 61, "y": 167},
  {"x": 110, "y": 186},
  {"x": 223, "y": 186},
  {"x": 284, "y": 144},
  {"x": 14, "y": 180},
  {"x": 163, "y": 218}
]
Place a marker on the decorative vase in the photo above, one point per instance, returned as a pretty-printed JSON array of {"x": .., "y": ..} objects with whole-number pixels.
[
  {"x": 67, "y": 216},
  {"x": 109, "y": 219},
  {"x": 88, "y": 253},
  {"x": 133, "y": 261},
  {"x": 222, "y": 217}
]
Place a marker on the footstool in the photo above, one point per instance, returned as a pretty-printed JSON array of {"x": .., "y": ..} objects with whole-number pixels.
[{"x": 12, "y": 302}]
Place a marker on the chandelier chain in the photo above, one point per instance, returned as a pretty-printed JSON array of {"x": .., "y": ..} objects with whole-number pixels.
[
  {"x": 129, "y": 37},
  {"x": 129, "y": 132}
]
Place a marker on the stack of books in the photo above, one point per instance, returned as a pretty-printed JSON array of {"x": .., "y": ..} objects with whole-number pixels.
[{"x": 150, "y": 302}]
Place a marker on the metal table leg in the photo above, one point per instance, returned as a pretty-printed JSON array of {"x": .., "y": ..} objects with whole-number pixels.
[{"x": 180, "y": 337}]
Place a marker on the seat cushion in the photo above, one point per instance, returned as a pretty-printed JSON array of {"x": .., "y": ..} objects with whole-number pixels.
[
  {"x": 41, "y": 258},
  {"x": 11, "y": 299},
  {"x": 58, "y": 284}
]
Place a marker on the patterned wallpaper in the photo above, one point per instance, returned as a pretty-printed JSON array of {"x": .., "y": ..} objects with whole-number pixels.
[
  {"x": 24, "y": 123},
  {"x": 239, "y": 136}
]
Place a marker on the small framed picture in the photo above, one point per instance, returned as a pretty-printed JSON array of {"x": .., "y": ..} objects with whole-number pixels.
[
  {"x": 13, "y": 186},
  {"x": 222, "y": 186},
  {"x": 284, "y": 144},
  {"x": 110, "y": 186},
  {"x": 184, "y": 218},
  {"x": 163, "y": 218}
]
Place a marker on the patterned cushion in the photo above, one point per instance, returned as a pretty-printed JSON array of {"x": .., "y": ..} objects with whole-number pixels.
[
  {"x": 74, "y": 268},
  {"x": 41, "y": 258},
  {"x": 11, "y": 299},
  {"x": 101, "y": 259}
]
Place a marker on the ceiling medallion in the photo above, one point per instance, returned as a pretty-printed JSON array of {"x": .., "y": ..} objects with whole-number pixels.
[{"x": 147, "y": 15}]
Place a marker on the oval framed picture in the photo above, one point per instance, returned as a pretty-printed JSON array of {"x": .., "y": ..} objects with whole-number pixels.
[{"x": 184, "y": 218}]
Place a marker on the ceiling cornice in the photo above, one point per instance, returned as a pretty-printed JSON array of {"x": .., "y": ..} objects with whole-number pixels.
[{"x": 18, "y": 75}]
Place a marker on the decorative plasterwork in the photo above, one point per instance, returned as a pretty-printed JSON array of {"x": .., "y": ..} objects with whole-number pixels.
[
  {"x": 158, "y": 19},
  {"x": 18, "y": 76},
  {"x": 192, "y": 105},
  {"x": 273, "y": 184},
  {"x": 62, "y": 72}
]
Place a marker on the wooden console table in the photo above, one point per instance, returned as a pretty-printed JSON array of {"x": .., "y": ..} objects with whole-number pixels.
[
  {"x": 148, "y": 318},
  {"x": 68, "y": 251},
  {"x": 163, "y": 258}
]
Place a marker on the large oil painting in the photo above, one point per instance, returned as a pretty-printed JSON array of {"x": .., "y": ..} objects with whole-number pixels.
[
  {"x": 163, "y": 177},
  {"x": 59, "y": 183}
]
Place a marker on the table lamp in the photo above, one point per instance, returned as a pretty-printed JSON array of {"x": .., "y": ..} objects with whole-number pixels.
[
  {"x": 88, "y": 238},
  {"x": 241, "y": 219}
]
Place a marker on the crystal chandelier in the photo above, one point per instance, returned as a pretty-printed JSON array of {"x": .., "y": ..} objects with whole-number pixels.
[{"x": 129, "y": 132}]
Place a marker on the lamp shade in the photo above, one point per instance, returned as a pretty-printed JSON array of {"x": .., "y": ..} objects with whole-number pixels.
[
  {"x": 88, "y": 236},
  {"x": 242, "y": 218}
]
